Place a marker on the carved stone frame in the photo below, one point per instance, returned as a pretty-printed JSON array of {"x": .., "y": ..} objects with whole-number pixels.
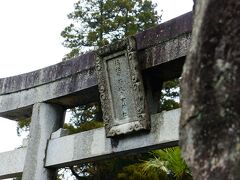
[{"x": 126, "y": 48}]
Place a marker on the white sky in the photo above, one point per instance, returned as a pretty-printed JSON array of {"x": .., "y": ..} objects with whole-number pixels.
[{"x": 30, "y": 39}]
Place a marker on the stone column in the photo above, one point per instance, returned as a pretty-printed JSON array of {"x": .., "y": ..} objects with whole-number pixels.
[
  {"x": 46, "y": 118},
  {"x": 210, "y": 118}
]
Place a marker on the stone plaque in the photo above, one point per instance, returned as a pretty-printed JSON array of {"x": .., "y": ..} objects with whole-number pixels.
[{"x": 121, "y": 88}]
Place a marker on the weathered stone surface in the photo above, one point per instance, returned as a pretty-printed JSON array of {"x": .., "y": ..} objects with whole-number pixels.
[
  {"x": 210, "y": 119},
  {"x": 165, "y": 31},
  {"x": 93, "y": 145},
  {"x": 68, "y": 82},
  {"x": 46, "y": 119},
  {"x": 60, "y": 133},
  {"x": 47, "y": 75},
  {"x": 12, "y": 163},
  {"x": 121, "y": 89},
  {"x": 64, "y": 87},
  {"x": 25, "y": 142},
  {"x": 164, "y": 52}
]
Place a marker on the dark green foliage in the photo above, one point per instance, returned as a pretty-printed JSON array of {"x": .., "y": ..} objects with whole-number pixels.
[
  {"x": 99, "y": 22},
  {"x": 86, "y": 113},
  {"x": 17, "y": 178},
  {"x": 122, "y": 167},
  {"x": 169, "y": 162},
  {"x": 135, "y": 172},
  {"x": 170, "y": 95},
  {"x": 84, "y": 127},
  {"x": 23, "y": 125},
  {"x": 84, "y": 118}
]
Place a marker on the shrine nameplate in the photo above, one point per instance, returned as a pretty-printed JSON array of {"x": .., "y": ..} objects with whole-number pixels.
[{"x": 121, "y": 88}]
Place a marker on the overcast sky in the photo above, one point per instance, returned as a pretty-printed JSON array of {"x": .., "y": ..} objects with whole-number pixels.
[{"x": 30, "y": 40}]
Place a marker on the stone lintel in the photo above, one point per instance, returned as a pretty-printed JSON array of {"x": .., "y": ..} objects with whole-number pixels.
[
  {"x": 165, "y": 31},
  {"x": 71, "y": 83},
  {"x": 12, "y": 163},
  {"x": 93, "y": 145}
]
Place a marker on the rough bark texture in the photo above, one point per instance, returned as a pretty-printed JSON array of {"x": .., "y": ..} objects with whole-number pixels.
[{"x": 210, "y": 120}]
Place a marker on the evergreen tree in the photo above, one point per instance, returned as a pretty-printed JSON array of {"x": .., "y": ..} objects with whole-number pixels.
[
  {"x": 170, "y": 95},
  {"x": 99, "y": 22}
]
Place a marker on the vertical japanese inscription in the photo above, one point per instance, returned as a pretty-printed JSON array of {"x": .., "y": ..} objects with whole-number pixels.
[{"x": 121, "y": 88}]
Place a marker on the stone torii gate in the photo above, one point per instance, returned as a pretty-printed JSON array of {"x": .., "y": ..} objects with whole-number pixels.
[{"x": 45, "y": 94}]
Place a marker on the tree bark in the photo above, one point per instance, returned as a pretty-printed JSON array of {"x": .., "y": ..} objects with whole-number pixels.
[{"x": 210, "y": 119}]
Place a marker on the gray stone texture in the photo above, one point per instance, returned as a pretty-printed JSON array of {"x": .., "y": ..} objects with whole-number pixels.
[
  {"x": 210, "y": 120},
  {"x": 60, "y": 133},
  {"x": 25, "y": 142},
  {"x": 46, "y": 119},
  {"x": 93, "y": 145},
  {"x": 12, "y": 163},
  {"x": 121, "y": 88}
]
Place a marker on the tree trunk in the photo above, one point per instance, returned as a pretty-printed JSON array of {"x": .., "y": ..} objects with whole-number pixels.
[{"x": 210, "y": 119}]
